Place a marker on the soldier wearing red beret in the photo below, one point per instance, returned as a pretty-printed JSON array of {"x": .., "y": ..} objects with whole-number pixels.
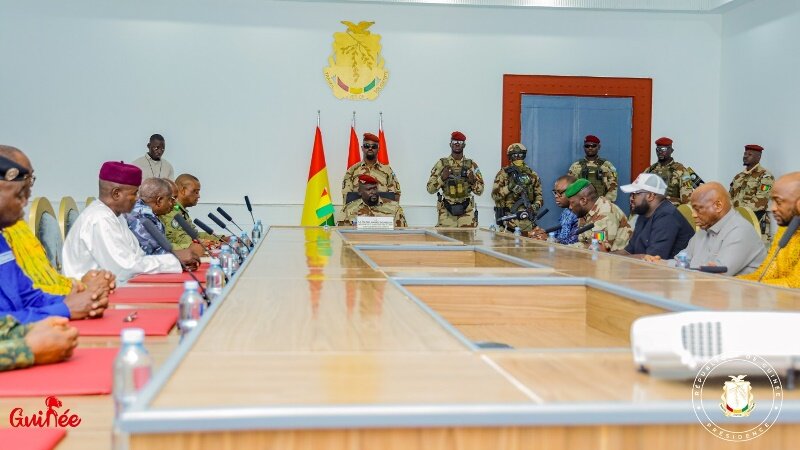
[
  {"x": 675, "y": 174},
  {"x": 454, "y": 180},
  {"x": 370, "y": 203},
  {"x": 387, "y": 181},
  {"x": 751, "y": 187}
]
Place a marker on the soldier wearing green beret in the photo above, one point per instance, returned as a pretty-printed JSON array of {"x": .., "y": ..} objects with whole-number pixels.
[{"x": 611, "y": 227}]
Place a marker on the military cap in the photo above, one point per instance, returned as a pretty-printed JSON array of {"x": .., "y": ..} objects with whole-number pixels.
[
  {"x": 576, "y": 187},
  {"x": 755, "y": 147},
  {"x": 664, "y": 142},
  {"x": 458, "y": 136},
  {"x": 367, "y": 179},
  {"x": 11, "y": 171},
  {"x": 371, "y": 137},
  {"x": 592, "y": 138}
]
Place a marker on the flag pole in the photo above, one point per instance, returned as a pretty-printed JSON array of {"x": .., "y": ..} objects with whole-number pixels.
[
  {"x": 380, "y": 120},
  {"x": 354, "y": 119},
  {"x": 317, "y": 118}
]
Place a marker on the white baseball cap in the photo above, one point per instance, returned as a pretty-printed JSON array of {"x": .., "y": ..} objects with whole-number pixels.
[{"x": 649, "y": 182}]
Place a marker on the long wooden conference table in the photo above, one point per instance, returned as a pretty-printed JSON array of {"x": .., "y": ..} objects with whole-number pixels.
[{"x": 338, "y": 338}]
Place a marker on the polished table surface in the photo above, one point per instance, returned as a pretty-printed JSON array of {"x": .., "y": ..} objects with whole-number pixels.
[{"x": 314, "y": 335}]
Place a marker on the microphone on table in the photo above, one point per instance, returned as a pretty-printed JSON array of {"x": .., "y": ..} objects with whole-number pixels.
[
  {"x": 229, "y": 218},
  {"x": 220, "y": 223},
  {"x": 523, "y": 215},
  {"x": 790, "y": 230},
  {"x": 206, "y": 228},
  {"x": 713, "y": 269},
  {"x": 162, "y": 241},
  {"x": 583, "y": 229},
  {"x": 552, "y": 229},
  {"x": 249, "y": 208},
  {"x": 187, "y": 228}
]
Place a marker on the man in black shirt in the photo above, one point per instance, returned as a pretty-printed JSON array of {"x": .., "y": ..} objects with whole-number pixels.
[{"x": 660, "y": 229}]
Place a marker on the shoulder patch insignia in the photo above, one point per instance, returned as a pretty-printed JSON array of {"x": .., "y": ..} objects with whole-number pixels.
[{"x": 765, "y": 187}]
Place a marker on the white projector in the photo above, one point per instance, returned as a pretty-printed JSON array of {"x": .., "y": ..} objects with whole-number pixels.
[{"x": 677, "y": 345}]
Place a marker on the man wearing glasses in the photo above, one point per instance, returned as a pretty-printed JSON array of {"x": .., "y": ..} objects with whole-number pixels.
[
  {"x": 661, "y": 230},
  {"x": 454, "y": 180},
  {"x": 600, "y": 172},
  {"x": 567, "y": 220},
  {"x": 675, "y": 174},
  {"x": 387, "y": 181}
]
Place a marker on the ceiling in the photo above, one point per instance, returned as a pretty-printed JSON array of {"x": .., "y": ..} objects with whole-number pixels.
[{"x": 695, "y": 6}]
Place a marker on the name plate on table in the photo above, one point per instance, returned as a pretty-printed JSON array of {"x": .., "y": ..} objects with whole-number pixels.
[{"x": 374, "y": 223}]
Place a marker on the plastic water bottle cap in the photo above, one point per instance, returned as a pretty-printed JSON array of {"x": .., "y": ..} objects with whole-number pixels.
[
  {"x": 132, "y": 336},
  {"x": 191, "y": 285},
  {"x": 214, "y": 261}
]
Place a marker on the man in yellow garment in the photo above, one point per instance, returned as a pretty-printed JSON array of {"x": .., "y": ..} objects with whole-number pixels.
[{"x": 784, "y": 271}]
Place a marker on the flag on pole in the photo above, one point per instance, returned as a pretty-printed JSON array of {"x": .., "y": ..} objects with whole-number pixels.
[
  {"x": 383, "y": 154},
  {"x": 318, "y": 208},
  {"x": 354, "y": 157}
]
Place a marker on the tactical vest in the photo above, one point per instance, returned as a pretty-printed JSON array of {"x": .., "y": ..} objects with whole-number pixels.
[
  {"x": 593, "y": 175},
  {"x": 673, "y": 190},
  {"x": 456, "y": 186}
]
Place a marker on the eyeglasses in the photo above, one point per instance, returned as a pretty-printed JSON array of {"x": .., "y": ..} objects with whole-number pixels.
[
  {"x": 372, "y": 146},
  {"x": 589, "y": 145},
  {"x": 662, "y": 149},
  {"x": 457, "y": 142},
  {"x": 558, "y": 193},
  {"x": 173, "y": 199}
]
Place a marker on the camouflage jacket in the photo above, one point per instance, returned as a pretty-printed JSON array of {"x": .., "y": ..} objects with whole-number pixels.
[
  {"x": 503, "y": 183},
  {"x": 384, "y": 208},
  {"x": 387, "y": 181},
  {"x": 678, "y": 179},
  {"x": 750, "y": 188},
  {"x": 609, "y": 222},
  {"x": 14, "y": 352},
  {"x": 604, "y": 178},
  {"x": 175, "y": 233},
  {"x": 457, "y": 188}
]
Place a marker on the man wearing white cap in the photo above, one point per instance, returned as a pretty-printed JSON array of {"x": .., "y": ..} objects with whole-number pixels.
[{"x": 660, "y": 229}]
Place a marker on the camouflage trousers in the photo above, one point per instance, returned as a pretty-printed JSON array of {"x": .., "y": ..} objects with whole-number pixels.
[{"x": 469, "y": 219}]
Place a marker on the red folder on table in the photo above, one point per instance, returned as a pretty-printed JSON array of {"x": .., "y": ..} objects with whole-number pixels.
[
  {"x": 31, "y": 438},
  {"x": 169, "y": 277},
  {"x": 146, "y": 294},
  {"x": 154, "y": 322},
  {"x": 88, "y": 372}
]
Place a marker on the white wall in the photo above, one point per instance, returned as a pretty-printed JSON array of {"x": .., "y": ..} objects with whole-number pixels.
[
  {"x": 759, "y": 85},
  {"x": 235, "y": 86}
]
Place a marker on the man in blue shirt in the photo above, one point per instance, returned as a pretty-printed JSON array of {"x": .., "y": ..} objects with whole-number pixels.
[
  {"x": 660, "y": 230},
  {"x": 568, "y": 220},
  {"x": 18, "y": 297}
]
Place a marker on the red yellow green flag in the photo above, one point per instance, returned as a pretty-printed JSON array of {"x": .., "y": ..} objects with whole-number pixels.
[{"x": 317, "y": 208}]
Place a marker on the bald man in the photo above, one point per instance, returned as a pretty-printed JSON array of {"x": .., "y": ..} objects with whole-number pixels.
[
  {"x": 188, "y": 195},
  {"x": 784, "y": 271},
  {"x": 725, "y": 238}
]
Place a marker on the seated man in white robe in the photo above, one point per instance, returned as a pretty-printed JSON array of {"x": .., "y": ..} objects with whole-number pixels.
[{"x": 100, "y": 238}]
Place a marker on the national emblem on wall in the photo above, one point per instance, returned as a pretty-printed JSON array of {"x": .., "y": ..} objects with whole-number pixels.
[{"x": 356, "y": 68}]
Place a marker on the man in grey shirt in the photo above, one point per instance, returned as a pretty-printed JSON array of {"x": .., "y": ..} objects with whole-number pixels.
[{"x": 725, "y": 238}]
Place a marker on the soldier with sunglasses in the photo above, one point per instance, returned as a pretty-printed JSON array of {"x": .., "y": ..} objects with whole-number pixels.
[
  {"x": 600, "y": 172},
  {"x": 388, "y": 186}
]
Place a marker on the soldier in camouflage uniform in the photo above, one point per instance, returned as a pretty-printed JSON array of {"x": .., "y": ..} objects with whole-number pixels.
[
  {"x": 611, "y": 226},
  {"x": 47, "y": 341},
  {"x": 387, "y": 181},
  {"x": 458, "y": 178},
  {"x": 751, "y": 187},
  {"x": 600, "y": 172},
  {"x": 514, "y": 182},
  {"x": 371, "y": 204},
  {"x": 188, "y": 196},
  {"x": 675, "y": 174}
]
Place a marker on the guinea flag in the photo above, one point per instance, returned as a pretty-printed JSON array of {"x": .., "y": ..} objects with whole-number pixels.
[{"x": 317, "y": 208}]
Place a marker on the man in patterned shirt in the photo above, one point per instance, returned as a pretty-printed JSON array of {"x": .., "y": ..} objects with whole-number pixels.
[{"x": 568, "y": 220}]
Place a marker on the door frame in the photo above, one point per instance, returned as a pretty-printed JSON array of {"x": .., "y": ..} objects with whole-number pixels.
[{"x": 639, "y": 89}]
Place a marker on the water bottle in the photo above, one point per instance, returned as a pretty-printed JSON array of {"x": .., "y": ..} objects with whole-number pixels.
[
  {"x": 244, "y": 250},
  {"x": 215, "y": 280},
  {"x": 595, "y": 245},
  {"x": 493, "y": 228},
  {"x": 132, "y": 369},
  {"x": 256, "y": 233},
  {"x": 248, "y": 242},
  {"x": 260, "y": 228},
  {"x": 190, "y": 307},
  {"x": 682, "y": 260},
  {"x": 551, "y": 238},
  {"x": 226, "y": 261},
  {"x": 517, "y": 232},
  {"x": 233, "y": 241}
]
